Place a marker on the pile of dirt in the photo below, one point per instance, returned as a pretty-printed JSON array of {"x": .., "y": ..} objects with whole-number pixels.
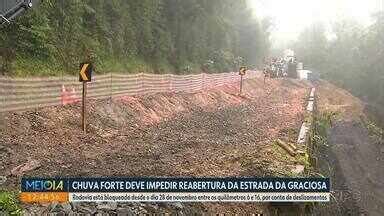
[
  {"x": 334, "y": 99},
  {"x": 213, "y": 133}
]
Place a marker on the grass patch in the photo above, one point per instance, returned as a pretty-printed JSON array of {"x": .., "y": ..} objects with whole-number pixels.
[
  {"x": 29, "y": 67},
  {"x": 319, "y": 143},
  {"x": 131, "y": 65},
  {"x": 281, "y": 153},
  {"x": 9, "y": 203},
  {"x": 25, "y": 66},
  {"x": 322, "y": 122},
  {"x": 373, "y": 129},
  {"x": 303, "y": 160}
]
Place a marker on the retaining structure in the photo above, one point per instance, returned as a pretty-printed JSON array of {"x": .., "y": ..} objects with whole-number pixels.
[{"x": 306, "y": 130}]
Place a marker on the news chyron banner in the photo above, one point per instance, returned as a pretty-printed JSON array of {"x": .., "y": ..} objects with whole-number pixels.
[{"x": 42, "y": 190}]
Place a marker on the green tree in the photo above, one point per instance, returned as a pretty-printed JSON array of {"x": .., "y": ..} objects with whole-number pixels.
[{"x": 128, "y": 36}]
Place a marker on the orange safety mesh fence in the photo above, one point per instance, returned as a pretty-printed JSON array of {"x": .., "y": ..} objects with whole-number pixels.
[{"x": 28, "y": 93}]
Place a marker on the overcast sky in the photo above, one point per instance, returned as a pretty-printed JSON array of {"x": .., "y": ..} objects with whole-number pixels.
[{"x": 292, "y": 16}]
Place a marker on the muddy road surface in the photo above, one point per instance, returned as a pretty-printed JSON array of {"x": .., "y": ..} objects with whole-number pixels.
[
  {"x": 354, "y": 158},
  {"x": 361, "y": 161}
]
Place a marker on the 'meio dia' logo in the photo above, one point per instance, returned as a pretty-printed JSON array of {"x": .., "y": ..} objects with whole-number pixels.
[{"x": 44, "y": 185}]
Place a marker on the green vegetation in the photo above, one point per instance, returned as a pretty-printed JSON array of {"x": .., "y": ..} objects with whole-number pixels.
[
  {"x": 9, "y": 204},
  {"x": 352, "y": 58},
  {"x": 303, "y": 160},
  {"x": 373, "y": 129},
  {"x": 323, "y": 121},
  {"x": 282, "y": 154},
  {"x": 319, "y": 143},
  {"x": 131, "y": 36}
]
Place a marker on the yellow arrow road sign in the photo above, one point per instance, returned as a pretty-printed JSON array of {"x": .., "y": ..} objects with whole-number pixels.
[
  {"x": 82, "y": 72},
  {"x": 242, "y": 70}
]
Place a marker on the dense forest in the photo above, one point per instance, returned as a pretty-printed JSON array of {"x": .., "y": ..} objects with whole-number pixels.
[
  {"x": 352, "y": 58},
  {"x": 159, "y": 36}
]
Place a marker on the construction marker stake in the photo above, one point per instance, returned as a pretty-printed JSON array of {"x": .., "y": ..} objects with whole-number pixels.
[
  {"x": 241, "y": 84},
  {"x": 84, "y": 109}
]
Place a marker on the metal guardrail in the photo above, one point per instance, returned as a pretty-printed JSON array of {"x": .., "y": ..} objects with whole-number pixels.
[
  {"x": 18, "y": 94},
  {"x": 9, "y": 9}
]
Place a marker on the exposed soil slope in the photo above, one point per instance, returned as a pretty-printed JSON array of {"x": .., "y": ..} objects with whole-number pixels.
[
  {"x": 354, "y": 157},
  {"x": 212, "y": 133},
  {"x": 334, "y": 99}
]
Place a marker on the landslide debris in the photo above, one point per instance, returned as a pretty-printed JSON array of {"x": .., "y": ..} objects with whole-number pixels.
[{"x": 210, "y": 133}]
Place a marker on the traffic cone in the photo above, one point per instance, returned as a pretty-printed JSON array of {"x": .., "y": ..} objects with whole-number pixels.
[
  {"x": 64, "y": 96},
  {"x": 73, "y": 96}
]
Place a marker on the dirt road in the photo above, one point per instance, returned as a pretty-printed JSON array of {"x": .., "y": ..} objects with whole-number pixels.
[
  {"x": 354, "y": 158},
  {"x": 361, "y": 161}
]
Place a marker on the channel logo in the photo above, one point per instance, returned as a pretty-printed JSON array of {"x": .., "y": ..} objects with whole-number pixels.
[
  {"x": 43, "y": 190},
  {"x": 43, "y": 185}
]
